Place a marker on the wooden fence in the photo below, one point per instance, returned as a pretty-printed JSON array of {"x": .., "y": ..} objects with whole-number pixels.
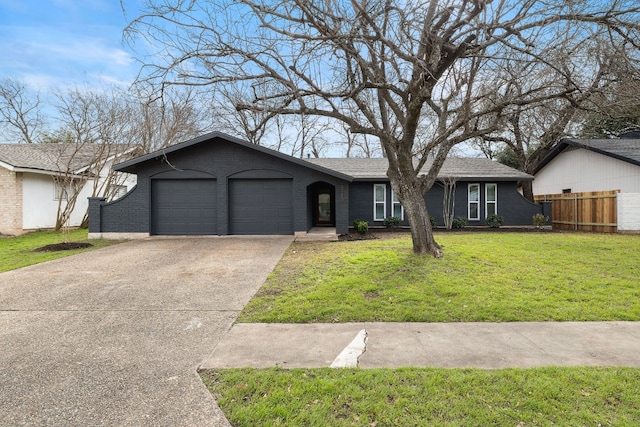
[{"x": 593, "y": 211}]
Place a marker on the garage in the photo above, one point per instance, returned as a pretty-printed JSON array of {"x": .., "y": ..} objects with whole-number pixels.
[
  {"x": 183, "y": 206},
  {"x": 260, "y": 206}
]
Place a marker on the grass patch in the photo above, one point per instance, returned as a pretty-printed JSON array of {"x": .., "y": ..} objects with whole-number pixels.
[
  {"x": 491, "y": 277},
  {"x": 427, "y": 396},
  {"x": 20, "y": 251}
]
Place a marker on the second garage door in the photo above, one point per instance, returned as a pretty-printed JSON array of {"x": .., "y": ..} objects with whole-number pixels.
[
  {"x": 260, "y": 206},
  {"x": 183, "y": 206}
]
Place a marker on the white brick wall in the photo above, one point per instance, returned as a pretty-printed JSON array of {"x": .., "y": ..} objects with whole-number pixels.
[{"x": 629, "y": 212}]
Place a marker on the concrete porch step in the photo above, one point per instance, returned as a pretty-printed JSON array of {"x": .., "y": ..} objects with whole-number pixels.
[{"x": 318, "y": 234}]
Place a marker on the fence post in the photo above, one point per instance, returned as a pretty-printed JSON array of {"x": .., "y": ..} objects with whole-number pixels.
[{"x": 575, "y": 211}]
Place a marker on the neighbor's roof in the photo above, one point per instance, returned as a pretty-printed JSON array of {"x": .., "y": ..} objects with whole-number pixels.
[
  {"x": 457, "y": 167},
  {"x": 56, "y": 158},
  {"x": 625, "y": 149}
]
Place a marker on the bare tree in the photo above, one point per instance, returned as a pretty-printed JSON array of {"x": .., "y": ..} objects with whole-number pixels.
[
  {"x": 415, "y": 76},
  {"x": 96, "y": 128},
  {"x": 531, "y": 130},
  {"x": 617, "y": 109},
  {"x": 161, "y": 120},
  {"x": 20, "y": 112},
  {"x": 448, "y": 200}
]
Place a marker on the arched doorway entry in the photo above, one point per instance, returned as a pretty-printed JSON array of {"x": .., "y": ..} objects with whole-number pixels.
[{"x": 323, "y": 204}]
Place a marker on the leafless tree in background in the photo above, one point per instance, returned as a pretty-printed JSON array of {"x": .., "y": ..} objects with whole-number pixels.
[
  {"x": 531, "y": 130},
  {"x": 160, "y": 121},
  {"x": 20, "y": 112},
  {"x": 385, "y": 70}
]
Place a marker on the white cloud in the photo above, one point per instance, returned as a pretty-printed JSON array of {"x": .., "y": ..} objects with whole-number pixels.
[{"x": 46, "y": 57}]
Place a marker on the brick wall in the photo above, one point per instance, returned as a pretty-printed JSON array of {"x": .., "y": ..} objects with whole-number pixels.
[
  {"x": 628, "y": 212},
  {"x": 10, "y": 202}
]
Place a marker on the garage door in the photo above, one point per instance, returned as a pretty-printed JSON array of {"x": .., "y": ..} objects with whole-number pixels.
[
  {"x": 260, "y": 206},
  {"x": 183, "y": 206}
]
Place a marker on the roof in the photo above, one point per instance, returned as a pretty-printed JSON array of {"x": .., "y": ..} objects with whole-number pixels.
[
  {"x": 347, "y": 169},
  {"x": 625, "y": 149},
  {"x": 47, "y": 158},
  {"x": 130, "y": 165},
  {"x": 458, "y": 167}
]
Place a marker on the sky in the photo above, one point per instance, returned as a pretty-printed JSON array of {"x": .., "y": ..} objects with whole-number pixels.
[{"x": 58, "y": 44}]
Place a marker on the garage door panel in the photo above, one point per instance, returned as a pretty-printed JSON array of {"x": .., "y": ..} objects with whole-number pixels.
[
  {"x": 261, "y": 206},
  {"x": 185, "y": 206}
]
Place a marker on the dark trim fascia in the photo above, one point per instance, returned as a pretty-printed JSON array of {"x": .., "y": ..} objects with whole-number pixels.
[{"x": 129, "y": 166}]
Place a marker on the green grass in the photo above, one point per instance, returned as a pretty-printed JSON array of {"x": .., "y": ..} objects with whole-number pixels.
[
  {"x": 17, "y": 252},
  {"x": 483, "y": 277},
  {"x": 428, "y": 397}
]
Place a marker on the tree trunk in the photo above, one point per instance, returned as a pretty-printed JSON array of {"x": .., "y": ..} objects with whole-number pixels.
[
  {"x": 421, "y": 231},
  {"x": 527, "y": 190}
]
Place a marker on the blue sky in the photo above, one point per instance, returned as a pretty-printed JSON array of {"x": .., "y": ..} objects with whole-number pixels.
[{"x": 57, "y": 44}]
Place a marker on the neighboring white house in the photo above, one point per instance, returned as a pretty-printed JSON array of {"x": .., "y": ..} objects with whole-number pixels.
[
  {"x": 584, "y": 165},
  {"x": 36, "y": 178}
]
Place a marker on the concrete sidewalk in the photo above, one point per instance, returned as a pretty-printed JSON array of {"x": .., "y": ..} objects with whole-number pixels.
[{"x": 447, "y": 345}]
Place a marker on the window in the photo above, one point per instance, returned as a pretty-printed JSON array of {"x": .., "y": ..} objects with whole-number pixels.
[
  {"x": 474, "y": 201},
  {"x": 119, "y": 191},
  {"x": 61, "y": 190},
  {"x": 491, "y": 199},
  {"x": 396, "y": 206},
  {"x": 379, "y": 202}
]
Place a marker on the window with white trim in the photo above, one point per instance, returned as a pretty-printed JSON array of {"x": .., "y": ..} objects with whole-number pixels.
[
  {"x": 61, "y": 190},
  {"x": 474, "y": 202},
  {"x": 491, "y": 199},
  {"x": 396, "y": 207},
  {"x": 379, "y": 202}
]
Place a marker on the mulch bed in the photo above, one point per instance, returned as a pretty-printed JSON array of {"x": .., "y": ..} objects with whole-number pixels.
[
  {"x": 385, "y": 233},
  {"x": 65, "y": 246}
]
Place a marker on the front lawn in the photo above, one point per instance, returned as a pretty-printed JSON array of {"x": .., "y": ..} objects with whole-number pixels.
[
  {"x": 428, "y": 397},
  {"x": 493, "y": 277},
  {"x": 20, "y": 251}
]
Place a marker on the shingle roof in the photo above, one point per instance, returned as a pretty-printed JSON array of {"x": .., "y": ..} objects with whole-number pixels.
[
  {"x": 458, "y": 167},
  {"x": 625, "y": 149},
  {"x": 348, "y": 169},
  {"x": 213, "y": 137},
  {"x": 49, "y": 157},
  {"x": 621, "y": 148}
]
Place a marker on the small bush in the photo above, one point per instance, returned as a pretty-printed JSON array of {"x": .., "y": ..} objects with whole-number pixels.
[
  {"x": 540, "y": 220},
  {"x": 432, "y": 220},
  {"x": 361, "y": 226},
  {"x": 494, "y": 221},
  {"x": 459, "y": 222},
  {"x": 391, "y": 221}
]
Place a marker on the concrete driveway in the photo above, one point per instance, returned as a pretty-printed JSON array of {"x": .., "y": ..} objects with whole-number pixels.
[{"x": 114, "y": 336}]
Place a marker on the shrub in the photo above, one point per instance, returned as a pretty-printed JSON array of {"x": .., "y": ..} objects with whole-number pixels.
[
  {"x": 495, "y": 221},
  {"x": 540, "y": 220},
  {"x": 391, "y": 221},
  {"x": 432, "y": 220},
  {"x": 459, "y": 222},
  {"x": 361, "y": 226}
]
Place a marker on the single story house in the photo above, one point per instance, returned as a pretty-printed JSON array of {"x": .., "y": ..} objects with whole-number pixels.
[
  {"x": 35, "y": 179},
  {"x": 583, "y": 165},
  {"x": 219, "y": 185},
  {"x": 595, "y": 165}
]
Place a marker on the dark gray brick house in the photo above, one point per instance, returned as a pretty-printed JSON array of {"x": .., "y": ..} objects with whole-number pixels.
[{"x": 219, "y": 185}]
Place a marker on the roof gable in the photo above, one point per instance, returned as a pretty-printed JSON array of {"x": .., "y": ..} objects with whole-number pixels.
[
  {"x": 131, "y": 165},
  {"x": 624, "y": 149}
]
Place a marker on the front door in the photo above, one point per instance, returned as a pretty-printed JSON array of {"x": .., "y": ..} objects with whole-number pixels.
[{"x": 323, "y": 206}]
